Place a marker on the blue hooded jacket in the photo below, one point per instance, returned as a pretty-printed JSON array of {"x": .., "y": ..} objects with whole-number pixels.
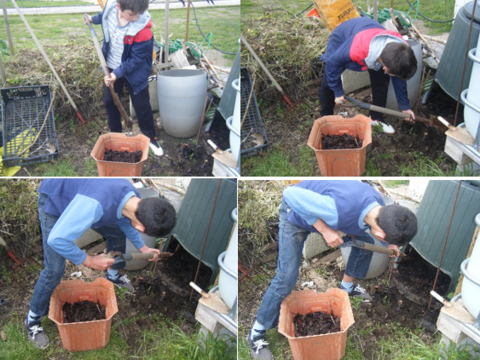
[{"x": 136, "y": 64}]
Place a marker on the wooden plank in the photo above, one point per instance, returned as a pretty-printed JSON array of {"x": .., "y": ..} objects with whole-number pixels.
[{"x": 97, "y": 249}]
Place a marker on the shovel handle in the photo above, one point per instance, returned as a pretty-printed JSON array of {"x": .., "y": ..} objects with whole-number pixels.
[
  {"x": 376, "y": 248},
  {"x": 212, "y": 144},
  {"x": 445, "y": 122},
  {"x": 199, "y": 290},
  {"x": 440, "y": 298}
]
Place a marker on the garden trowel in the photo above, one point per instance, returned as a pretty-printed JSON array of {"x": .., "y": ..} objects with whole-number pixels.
[
  {"x": 211, "y": 300},
  {"x": 454, "y": 309},
  {"x": 225, "y": 157},
  {"x": 458, "y": 133}
]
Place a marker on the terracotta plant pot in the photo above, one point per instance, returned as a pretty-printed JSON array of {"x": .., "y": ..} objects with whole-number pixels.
[
  {"x": 120, "y": 142},
  {"x": 341, "y": 162},
  {"x": 327, "y": 346},
  {"x": 86, "y": 335}
]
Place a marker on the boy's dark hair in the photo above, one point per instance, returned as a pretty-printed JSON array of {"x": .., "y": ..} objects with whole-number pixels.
[
  {"x": 398, "y": 223},
  {"x": 157, "y": 215},
  {"x": 135, "y": 6},
  {"x": 400, "y": 60}
]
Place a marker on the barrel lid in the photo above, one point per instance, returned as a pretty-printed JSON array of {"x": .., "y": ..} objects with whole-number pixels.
[{"x": 468, "y": 10}]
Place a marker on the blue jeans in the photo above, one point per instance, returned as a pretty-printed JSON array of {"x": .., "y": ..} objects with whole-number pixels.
[
  {"x": 54, "y": 263},
  {"x": 290, "y": 245}
]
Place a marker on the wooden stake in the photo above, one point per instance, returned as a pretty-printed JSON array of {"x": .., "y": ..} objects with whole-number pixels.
[{"x": 7, "y": 26}]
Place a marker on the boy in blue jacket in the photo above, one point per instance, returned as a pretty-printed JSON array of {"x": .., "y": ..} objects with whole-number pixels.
[
  {"x": 363, "y": 44},
  {"x": 327, "y": 207},
  {"x": 128, "y": 48},
  {"x": 69, "y": 207}
]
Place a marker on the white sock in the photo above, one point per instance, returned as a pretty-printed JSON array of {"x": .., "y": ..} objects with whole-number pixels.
[
  {"x": 257, "y": 329},
  {"x": 348, "y": 286},
  {"x": 112, "y": 274}
]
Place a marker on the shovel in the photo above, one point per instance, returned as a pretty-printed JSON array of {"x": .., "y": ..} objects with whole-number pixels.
[
  {"x": 225, "y": 157},
  {"x": 382, "y": 110},
  {"x": 454, "y": 309},
  {"x": 458, "y": 133},
  {"x": 116, "y": 99},
  {"x": 376, "y": 248}
]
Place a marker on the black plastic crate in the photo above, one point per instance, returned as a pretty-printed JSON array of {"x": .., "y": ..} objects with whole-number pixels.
[
  {"x": 28, "y": 134},
  {"x": 252, "y": 128}
]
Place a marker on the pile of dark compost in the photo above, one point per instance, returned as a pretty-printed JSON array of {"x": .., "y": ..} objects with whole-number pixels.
[
  {"x": 123, "y": 156},
  {"x": 83, "y": 311},
  {"x": 414, "y": 278},
  {"x": 316, "y": 323},
  {"x": 345, "y": 141},
  {"x": 167, "y": 290}
]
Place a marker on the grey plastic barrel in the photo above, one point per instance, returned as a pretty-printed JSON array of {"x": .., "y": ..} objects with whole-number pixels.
[
  {"x": 450, "y": 68},
  {"x": 181, "y": 99},
  {"x": 413, "y": 85}
]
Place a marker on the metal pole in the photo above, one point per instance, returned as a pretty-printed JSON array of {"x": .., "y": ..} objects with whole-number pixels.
[
  {"x": 7, "y": 26},
  {"x": 188, "y": 18},
  {"x": 375, "y": 10},
  {"x": 167, "y": 37}
]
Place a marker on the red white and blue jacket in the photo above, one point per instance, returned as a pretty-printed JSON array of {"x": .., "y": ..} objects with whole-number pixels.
[
  {"x": 136, "y": 63},
  {"x": 348, "y": 47}
]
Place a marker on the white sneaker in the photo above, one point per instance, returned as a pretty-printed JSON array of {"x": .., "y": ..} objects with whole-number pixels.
[
  {"x": 386, "y": 128},
  {"x": 156, "y": 148}
]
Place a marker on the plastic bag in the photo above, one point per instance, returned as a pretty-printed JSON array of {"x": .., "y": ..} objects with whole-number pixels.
[{"x": 335, "y": 12}]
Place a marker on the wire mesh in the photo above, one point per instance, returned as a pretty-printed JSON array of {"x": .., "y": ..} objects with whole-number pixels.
[
  {"x": 28, "y": 126},
  {"x": 253, "y": 133}
]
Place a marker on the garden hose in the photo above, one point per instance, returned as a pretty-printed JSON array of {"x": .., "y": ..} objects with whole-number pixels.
[{"x": 196, "y": 51}]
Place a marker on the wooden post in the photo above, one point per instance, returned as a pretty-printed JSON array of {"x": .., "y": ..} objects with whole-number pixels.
[
  {"x": 188, "y": 17},
  {"x": 167, "y": 38},
  {"x": 2, "y": 73},
  {"x": 7, "y": 26}
]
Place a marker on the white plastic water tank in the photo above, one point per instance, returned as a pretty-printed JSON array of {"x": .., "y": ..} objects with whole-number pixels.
[
  {"x": 470, "y": 289},
  {"x": 228, "y": 278},
  {"x": 233, "y": 124},
  {"x": 474, "y": 264},
  {"x": 471, "y": 96}
]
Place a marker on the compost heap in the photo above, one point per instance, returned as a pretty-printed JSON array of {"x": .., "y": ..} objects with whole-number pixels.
[
  {"x": 83, "y": 311},
  {"x": 290, "y": 49},
  {"x": 316, "y": 323}
]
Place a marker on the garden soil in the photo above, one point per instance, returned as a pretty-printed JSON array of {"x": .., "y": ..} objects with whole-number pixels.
[
  {"x": 83, "y": 311},
  {"x": 316, "y": 323}
]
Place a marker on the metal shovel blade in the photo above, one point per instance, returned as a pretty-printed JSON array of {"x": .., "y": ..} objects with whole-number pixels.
[
  {"x": 458, "y": 133},
  {"x": 225, "y": 157}
]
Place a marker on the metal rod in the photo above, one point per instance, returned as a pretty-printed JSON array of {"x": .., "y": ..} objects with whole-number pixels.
[{"x": 167, "y": 37}]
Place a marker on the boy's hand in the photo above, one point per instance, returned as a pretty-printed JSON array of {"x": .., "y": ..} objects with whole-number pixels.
[
  {"x": 109, "y": 80},
  {"x": 409, "y": 112},
  {"x": 339, "y": 100},
  {"x": 145, "y": 249},
  {"x": 394, "y": 248},
  {"x": 331, "y": 236},
  {"x": 89, "y": 19},
  {"x": 98, "y": 262}
]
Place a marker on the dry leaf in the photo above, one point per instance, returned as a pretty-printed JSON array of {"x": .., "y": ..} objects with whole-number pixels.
[
  {"x": 258, "y": 139},
  {"x": 51, "y": 148},
  {"x": 3, "y": 335}
]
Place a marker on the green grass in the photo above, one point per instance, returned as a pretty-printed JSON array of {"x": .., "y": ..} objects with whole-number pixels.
[
  {"x": 279, "y": 9},
  {"x": 164, "y": 340},
  {"x": 222, "y": 22},
  {"x": 36, "y": 4},
  {"x": 276, "y": 163},
  {"x": 432, "y": 9}
]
